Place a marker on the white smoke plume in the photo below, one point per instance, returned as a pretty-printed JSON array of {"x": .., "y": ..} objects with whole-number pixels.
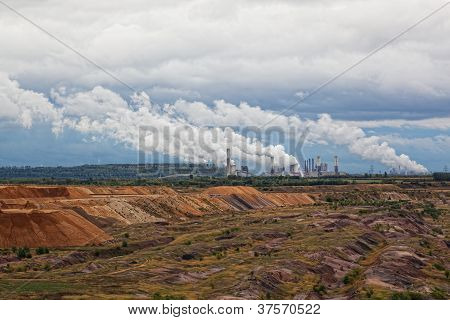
[
  {"x": 180, "y": 130},
  {"x": 324, "y": 130},
  {"x": 108, "y": 115}
]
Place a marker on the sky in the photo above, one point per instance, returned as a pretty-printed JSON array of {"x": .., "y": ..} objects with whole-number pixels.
[{"x": 186, "y": 65}]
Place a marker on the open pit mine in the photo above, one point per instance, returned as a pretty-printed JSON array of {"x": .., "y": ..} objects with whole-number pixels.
[{"x": 358, "y": 241}]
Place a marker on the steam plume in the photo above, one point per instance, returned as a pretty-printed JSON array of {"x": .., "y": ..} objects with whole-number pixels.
[{"x": 181, "y": 130}]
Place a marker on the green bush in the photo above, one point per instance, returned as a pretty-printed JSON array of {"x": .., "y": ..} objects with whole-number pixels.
[
  {"x": 42, "y": 250},
  {"x": 124, "y": 244},
  {"x": 438, "y": 294},
  {"x": 319, "y": 289},
  {"x": 23, "y": 253},
  {"x": 438, "y": 266},
  {"x": 430, "y": 210},
  {"x": 351, "y": 276},
  {"x": 159, "y": 296},
  {"x": 407, "y": 295}
]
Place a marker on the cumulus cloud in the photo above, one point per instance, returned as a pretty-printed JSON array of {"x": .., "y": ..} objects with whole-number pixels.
[
  {"x": 25, "y": 106},
  {"x": 189, "y": 130}
]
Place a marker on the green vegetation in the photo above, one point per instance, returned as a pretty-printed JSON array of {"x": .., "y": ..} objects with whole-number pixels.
[
  {"x": 23, "y": 253},
  {"x": 430, "y": 210},
  {"x": 438, "y": 294},
  {"x": 320, "y": 289},
  {"x": 438, "y": 266},
  {"x": 351, "y": 276},
  {"x": 407, "y": 295},
  {"x": 42, "y": 250},
  {"x": 159, "y": 296},
  {"x": 441, "y": 176}
]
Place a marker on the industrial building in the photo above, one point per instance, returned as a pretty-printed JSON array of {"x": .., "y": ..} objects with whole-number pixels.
[
  {"x": 312, "y": 167},
  {"x": 316, "y": 168}
]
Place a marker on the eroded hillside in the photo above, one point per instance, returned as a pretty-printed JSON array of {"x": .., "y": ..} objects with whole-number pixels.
[{"x": 349, "y": 242}]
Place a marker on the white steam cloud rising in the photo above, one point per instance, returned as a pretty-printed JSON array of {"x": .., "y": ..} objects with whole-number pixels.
[{"x": 180, "y": 129}]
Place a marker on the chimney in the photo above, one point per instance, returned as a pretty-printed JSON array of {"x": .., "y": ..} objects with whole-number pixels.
[
  {"x": 228, "y": 162},
  {"x": 318, "y": 164},
  {"x": 336, "y": 165},
  {"x": 272, "y": 166}
]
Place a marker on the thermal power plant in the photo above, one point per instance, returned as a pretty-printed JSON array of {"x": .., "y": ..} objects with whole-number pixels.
[
  {"x": 313, "y": 167},
  {"x": 316, "y": 167}
]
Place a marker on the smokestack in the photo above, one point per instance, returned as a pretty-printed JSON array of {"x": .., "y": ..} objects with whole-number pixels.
[
  {"x": 319, "y": 168},
  {"x": 336, "y": 165},
  {"x": 272, "y": 165},
  {"x": 228, "y": 162}
]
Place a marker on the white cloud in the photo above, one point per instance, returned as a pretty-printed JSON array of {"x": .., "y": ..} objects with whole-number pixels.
[
  {"x": 184, "y": 128},
  {"x": 437, "y": 144},
  {"x": 24, "y": 106},
  {"x": 431, "y": 123},
  {"x": 97, "y": 103}
]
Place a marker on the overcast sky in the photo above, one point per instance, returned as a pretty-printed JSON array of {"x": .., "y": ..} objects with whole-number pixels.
[{"x": 262, "y": 52}]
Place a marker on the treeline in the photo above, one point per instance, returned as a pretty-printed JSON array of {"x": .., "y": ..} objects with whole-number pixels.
[
  {"x": 441, "y": 176},
  {"x": 192, "y": 181}
]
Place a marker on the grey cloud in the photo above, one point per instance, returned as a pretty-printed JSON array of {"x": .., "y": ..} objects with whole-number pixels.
[{"x": 257, "y": 51}]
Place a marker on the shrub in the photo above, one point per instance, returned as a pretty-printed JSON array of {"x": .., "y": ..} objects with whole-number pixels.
[
  {"x": 438, "y": 266},
  {"x": 42, "y": 250},
  {"x": 126, "y": 235},
  {"x": 431, "y": 211},
  {"x": 438, "y": 294},
  {"x": 407, "y": 295},
  {"x": 23, "y": 253},
  {"x": 369, "y": 293},
  {"x": 319, "y": 289},
  {"x": 159, "y": 296},
  {"x": 351, "y": 276},
  {"x": 124, "y": 244}
]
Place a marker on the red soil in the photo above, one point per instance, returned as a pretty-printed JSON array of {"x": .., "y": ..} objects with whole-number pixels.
[
  {"x": 34, "y": 228},
  {"x": 72, "y": 216}
]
